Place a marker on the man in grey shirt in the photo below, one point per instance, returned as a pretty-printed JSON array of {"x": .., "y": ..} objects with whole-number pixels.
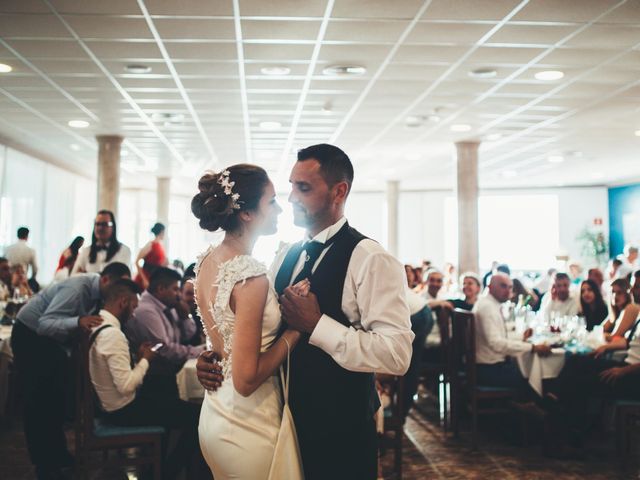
[
  {"x": 159, "y": 318},
  {"x": 41, "y": 340}
]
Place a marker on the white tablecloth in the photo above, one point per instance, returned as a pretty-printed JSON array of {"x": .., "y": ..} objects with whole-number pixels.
[
  {"x": 6, "y": 356},
  {"x": 188, "y": 386},
  {"x": 536, "y": 368}
]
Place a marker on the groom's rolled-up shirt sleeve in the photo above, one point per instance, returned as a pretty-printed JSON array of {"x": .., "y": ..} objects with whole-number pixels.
[{"x": 380, "y": 337}]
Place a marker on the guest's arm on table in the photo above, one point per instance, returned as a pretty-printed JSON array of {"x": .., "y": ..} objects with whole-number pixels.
[
  {"x": 616, "y": 343},
  {"x": 613, "y": 374},
  {"x": 60, "y": 318},
  {"x": 384, "y": 343}
]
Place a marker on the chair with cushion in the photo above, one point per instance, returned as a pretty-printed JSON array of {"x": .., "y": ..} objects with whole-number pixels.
[
  {"x": 481, "y": 400},
  {"x": 393, "y": 416},
  {"x": 92, "y": 434}
]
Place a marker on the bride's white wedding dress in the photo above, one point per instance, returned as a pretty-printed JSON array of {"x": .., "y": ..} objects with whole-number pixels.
[{"x": 237, "y": 434}]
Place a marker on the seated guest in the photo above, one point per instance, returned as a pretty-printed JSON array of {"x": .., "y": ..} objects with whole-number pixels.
[
  {"x": 105, "y": 247},
  {"x": 411, "y": 276},
  {"x": 623, "y": 316},
  {"x": 575, "y": 273},
  {"x": 614, "y": 267},
  {"x": 19, "y": 282},
  {"x": 433, "y": 289},
  {"x": 45, "y": 328},
  {"x": 471, "y": 287},
  {"x": 187, "y": 307},
  {"x": 543, "y": 283},
  {"x": 493, "y": 347},
  {"x": 157, "y": 321},
  {"x": 635, "y": 286},
  {"x": 596, "y": 276},
  {"x": 559, "y": 302},
  {"x": 522, "y": 295},
  {"x": 5, "y": 280},
  {"x": 629, "y": 261},
  {"x": 584, "y": 378},
  {"x": 592, "y": 305},
  {"x": 115, "y": 381}
]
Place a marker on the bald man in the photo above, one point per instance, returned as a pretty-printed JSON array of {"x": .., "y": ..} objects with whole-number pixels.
[{"x": 493, "y": 347}]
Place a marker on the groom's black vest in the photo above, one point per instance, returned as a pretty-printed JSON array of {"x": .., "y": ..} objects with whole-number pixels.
[{"x": 333, "y": 408}]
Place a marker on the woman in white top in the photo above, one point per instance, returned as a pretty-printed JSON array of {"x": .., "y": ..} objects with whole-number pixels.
[
  {"x": 622, "y": 317},
  {"x": 105, "y": 247},
  {"x": 239, "y": 423}
]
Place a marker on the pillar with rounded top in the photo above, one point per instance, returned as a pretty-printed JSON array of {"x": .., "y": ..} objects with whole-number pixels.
[
  {"x": 392, "y": 217},
  {"x": 109, "y": 172},
  {"x": 162, "y": 205},
  {"x": 467, "y": 194}
]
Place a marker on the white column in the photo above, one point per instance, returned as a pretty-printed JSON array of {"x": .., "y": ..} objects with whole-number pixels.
[
  {"x": 392, "y": 217},
  {"x": 162, "y": 205},
  {"x": 109, "y": 172},
  {"x": 467, "y": 193}
]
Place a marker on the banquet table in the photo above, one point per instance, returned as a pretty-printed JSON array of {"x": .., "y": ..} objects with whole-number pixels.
[
  {"x": 6, "y": 357},
  {"x": 536, "y": 368},
  {"x": 188, "y": 386}
]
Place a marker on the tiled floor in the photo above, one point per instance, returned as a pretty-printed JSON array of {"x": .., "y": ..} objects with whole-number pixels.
[{"x": 428, "y": 454}]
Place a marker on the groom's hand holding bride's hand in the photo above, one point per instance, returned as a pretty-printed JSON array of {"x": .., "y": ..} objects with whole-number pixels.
[
  {"x": 208, "y": 370},
  {"x": 299, "y": 307}
]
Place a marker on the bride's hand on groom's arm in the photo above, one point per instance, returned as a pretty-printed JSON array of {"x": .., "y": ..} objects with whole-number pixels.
[
  {"x": 208, "y": 370},
  {"x": 301, "y": 313}
]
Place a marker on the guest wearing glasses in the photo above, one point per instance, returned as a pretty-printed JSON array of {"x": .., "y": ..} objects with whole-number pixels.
[
  {"x": 592, "y": 305},
  {"x": 153, "y": 255},
  {"x": 105, "y": 247}
]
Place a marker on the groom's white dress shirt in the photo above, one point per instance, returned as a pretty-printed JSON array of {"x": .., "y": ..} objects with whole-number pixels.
[
  {"x": 113, "y": 378},
  {"x": 374, "y": 301}
]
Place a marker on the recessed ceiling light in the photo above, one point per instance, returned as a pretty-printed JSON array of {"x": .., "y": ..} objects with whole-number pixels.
[
  {"x": 276, "y": 70},
  {"x": 75, "y": 147},
  {"x": 136, "y": 68},
  {"x": 637, "y": 132},
  {"x": 414, "y": 121},
  {"x": 270, "y": 125},
  {"x": 483, "y": 73},
  {"x": 509, "y": 173},
  {"x": 4, "y": 68},
  {"x": 168, "y": 118},
  {"x": 344, "y": 70},
  {"x": 78, "y": 123},
  {"x": 549, "y": 75},
  {"x": 492, "y": 137},
  {"x": 460, "y": 127},
  {"x": 555, "y": 159}
]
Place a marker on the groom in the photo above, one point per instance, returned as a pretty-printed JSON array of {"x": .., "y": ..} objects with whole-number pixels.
[{"x": 355, "y": 319}]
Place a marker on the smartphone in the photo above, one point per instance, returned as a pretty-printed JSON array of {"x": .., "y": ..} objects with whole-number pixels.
[{"x": 157, "y": 347}]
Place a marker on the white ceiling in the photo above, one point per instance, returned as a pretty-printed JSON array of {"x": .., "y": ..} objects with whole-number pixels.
[{"x": 68, "y": 60}]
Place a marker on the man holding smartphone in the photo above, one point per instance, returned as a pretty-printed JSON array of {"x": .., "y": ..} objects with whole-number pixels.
[{"x": 116, "y": 382}]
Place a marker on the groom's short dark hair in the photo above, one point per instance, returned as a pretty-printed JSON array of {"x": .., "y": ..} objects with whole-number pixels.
[{"x": 335, "y": 165}]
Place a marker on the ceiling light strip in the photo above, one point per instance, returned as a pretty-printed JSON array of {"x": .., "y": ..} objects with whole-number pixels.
[
  {"x": 402, "y": 115},
  {"x": 305, "y": 87},
  {"x": 174, "y": 151},
  {"x": 383, "y": 66},
  {"x": 502, "y": 83},
  {"x": 243, "y": 82},
  {"x": 50, "y": 121},
  {"x": 177, "y": 80}
]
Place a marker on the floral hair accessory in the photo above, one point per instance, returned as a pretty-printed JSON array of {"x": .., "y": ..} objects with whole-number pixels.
[{"x": 227, "y": 185}]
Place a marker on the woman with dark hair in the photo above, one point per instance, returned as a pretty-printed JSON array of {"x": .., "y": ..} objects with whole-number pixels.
[
  {"x": 153, "y": 255},
  {"x": 70, "y": 254},
  {"x": 105, "y": 247},
  {"x": 241, "y": 318},
  {"x": 622, "y": 319},
  {"x": 592, "y": 306},
  {"x": 523, "y": 294}
]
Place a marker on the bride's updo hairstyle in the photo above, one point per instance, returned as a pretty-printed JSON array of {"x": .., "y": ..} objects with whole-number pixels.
[{"x": 218, "y": 206}]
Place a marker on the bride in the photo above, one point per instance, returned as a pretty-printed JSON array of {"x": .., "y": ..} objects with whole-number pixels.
[{"x": 240, "y": 422}]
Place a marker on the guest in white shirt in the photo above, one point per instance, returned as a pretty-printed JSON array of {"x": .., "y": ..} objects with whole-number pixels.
[
  {"x": 493, "y": 347},
  {"x": 116, "y": 382},
  {"x": 560, "y": 301},
  {"x": 105, "y": 247},
  {"x": 629, "y": 260},
  {"x": 22, "y": 254}
]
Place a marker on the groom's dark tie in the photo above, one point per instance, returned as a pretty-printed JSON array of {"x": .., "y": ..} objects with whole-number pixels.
[{"x": 312, "y": 251}]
